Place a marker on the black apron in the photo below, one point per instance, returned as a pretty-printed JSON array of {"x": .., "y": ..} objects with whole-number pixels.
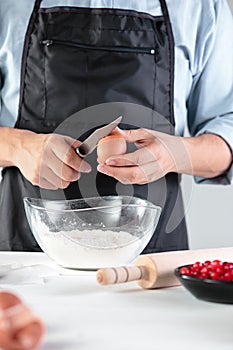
[{"x": 103, "y": 63}]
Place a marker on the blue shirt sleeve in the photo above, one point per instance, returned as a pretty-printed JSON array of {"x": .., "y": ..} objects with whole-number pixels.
[{"x": 210, "y": 102}]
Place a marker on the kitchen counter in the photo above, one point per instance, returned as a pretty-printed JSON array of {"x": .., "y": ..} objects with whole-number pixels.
[{"x": 79, "y": 314}]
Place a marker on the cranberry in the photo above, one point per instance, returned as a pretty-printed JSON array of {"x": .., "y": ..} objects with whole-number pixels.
[
  {"x": 214, "y": 276},
  {"x": 197, "y": 265},
  {"x": 195, "y": 273},
  {"x": 227, "y": 276},
  {"x": 216, "y": 263},
  {"x": 185, "y": 271},
  {"x": 228, "y": 265},
  {"x": 207, "y": 262},
  {"x": 215, "y": 270}
]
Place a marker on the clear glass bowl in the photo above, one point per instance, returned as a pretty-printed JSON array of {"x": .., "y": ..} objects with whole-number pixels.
[{"x": 94, "y": 232}]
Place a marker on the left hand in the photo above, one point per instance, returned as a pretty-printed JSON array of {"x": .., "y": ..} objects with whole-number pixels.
[{"x": 157, "y": 154}]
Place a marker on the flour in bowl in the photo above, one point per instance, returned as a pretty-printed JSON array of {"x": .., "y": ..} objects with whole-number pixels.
[{"x": 88, "y": 249}]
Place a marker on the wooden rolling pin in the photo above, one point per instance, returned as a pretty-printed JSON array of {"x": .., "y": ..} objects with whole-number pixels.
[{"x": 157, "y": 270}]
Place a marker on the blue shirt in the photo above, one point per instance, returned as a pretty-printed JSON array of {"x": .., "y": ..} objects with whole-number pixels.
[{"x": 202, "y": 29}]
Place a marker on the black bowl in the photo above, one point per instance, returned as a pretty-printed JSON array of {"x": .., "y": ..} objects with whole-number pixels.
[{"x": 207, "y": 289}]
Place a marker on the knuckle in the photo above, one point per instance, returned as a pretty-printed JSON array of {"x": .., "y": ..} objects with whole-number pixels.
[
  {"x": 124, "y": 181},
  {"x": 64, "y": 184},
  {"x": 68, "y": 157},
  {"x": 69, "y": 175},
  {"x": 133, "y": 177},
  {"x": 138, "y": 157},
  {"x": 143, "y": 132},
  {"x": 144, "y": 179},
  {"x": 48, "y": 141},
  {"x": 35, "y": 179}
]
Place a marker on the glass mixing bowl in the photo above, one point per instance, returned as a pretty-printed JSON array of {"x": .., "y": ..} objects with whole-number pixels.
[{"x": 92, "y": 233}]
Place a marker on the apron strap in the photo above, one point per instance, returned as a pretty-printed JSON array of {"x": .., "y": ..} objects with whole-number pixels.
[
  {"x": 171, "y": 54},
  {"x": 26, "y": 44},
  {"x": 33, "y": 16},
  {"x": 37, "y": 4}
]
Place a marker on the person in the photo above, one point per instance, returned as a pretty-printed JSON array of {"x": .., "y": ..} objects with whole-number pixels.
[{"x": 169, "y": 58}]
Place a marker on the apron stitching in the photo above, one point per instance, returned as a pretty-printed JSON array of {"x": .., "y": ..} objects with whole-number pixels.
[
  {"x": 171, "y": 58},
  {"x": 154, "y": 88},
  {"x": 86, "y": 83},
  {"x": 45, "y": 88}
]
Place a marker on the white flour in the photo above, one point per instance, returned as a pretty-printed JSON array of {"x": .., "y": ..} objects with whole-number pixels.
[{"x": 75, "y": 249}]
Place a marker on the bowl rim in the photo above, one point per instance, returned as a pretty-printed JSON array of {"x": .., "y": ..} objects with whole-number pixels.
[
  {"x": 147, "y": 204},
  {"x": 200, "y": 280}
]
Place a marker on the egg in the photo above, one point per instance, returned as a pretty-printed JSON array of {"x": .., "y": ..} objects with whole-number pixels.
[{"x": 111, "y": 145}]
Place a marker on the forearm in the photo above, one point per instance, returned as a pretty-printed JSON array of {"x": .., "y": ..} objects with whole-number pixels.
[
  {"x": 208, "y": 156},
  {"x": 10, "y": 140}
]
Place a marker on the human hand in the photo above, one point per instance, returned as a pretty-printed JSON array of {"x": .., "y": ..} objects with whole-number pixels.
[
  {"x": 157, "y": 154},
  {"x": 48, "y": 160},
  {"x": 20, "y": 329}
]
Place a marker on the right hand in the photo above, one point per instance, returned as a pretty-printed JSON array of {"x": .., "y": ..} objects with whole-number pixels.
[{"x": 49, "y": 160}]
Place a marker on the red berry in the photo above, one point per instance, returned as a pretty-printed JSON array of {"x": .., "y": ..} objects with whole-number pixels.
[
  {"x": 227, "y": 276},
  {"x": 197, "y": 265},
  {"x": 194, "y": 273},
  {"x": 228, "y": 265},
  {"x": 215, "y": 270},
  {"x": 204, "y": 270},
  {"x": 214, "y": 276},
  {"x": 219, "y": 270},
  {"x": 184, "y": 271},
  {"x": 216, "y": 263}
]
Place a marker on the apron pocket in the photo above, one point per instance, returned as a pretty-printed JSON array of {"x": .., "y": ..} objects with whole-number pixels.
[{"x": 99, "y": 74}]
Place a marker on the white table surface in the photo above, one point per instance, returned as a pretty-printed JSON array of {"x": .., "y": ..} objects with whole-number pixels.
[{"x": 79, "y": 314}]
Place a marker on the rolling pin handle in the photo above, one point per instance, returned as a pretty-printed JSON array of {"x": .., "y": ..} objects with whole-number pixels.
[{"x": 123, "y": 274}]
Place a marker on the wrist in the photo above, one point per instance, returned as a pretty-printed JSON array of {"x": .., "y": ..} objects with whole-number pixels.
[
  {"x": 7, "y": 146},
  {"x": 177, "y": 158},
  {"x": 11, "y": 145},
  {"x": 210, "y": 155}
]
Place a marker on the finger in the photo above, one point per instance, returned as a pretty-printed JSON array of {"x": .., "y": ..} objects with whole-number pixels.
[
  {"x": 135, "y": 174},
  {"x": 72, "y": 142},
  {"x": 44, "y": 183},
  {"x": 135, "y": 135},
  {"x": 53, "y": 179},
  {"x": 116, "y": 131},
  {"x": 61, "y": 170},
  {"x": 138, "y": 157},
  {"x": 66, "y": 153},
  {"x": 132, "y": 175},
  {"x": 75, "y": 162}
]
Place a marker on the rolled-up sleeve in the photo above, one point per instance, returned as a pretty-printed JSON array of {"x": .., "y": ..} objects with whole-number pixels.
[
  {"x": 210, "y": 103},
  {"x": 0, "y": 92}
]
